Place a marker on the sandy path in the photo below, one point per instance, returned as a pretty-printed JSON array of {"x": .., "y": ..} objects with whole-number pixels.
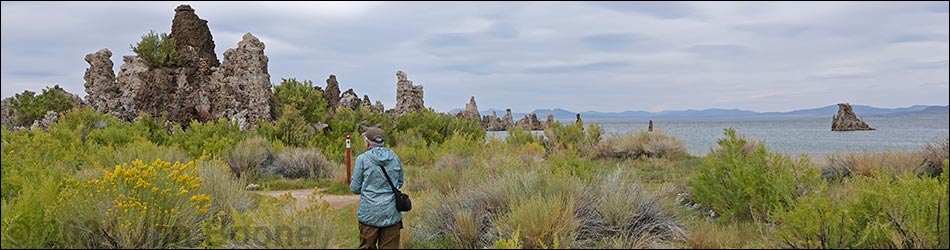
[{"x": 303, "y": 200}]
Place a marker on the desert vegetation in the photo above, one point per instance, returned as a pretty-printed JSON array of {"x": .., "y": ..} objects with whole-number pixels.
[{"x": 93, "y": 181}]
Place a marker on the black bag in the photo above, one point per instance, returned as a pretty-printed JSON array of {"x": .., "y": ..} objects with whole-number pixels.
[{"x": 403, "y": 203}]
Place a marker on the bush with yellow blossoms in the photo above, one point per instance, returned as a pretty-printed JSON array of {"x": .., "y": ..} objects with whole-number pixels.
[{"x": 137, "y": 205}]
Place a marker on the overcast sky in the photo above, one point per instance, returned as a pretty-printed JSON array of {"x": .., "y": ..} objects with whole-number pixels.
[{"x": 580, "y": 56}]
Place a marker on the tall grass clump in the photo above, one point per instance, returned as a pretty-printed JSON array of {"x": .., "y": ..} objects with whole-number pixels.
[
  {"x": 841, "y": 165},
  {"x": 652, "y": 144},
  {"x": 871, "y": 212},
  {"x": 750, "y": 186},
  {"x": 137, "y": 205},
  {"x": 300, "y": 163}
]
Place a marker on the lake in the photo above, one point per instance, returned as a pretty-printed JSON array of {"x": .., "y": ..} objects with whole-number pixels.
[{"x": 810, "y": 135}]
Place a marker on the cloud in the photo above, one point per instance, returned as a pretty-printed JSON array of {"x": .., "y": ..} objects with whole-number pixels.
[
  {"x": 611, "y": 42},
  {"x": 528, "y": 55},
  {"x": 843, "y": 72}
]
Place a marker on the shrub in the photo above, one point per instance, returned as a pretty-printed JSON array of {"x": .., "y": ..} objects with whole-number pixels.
[
  {"x": 571, "y": 138},
  {"x": 291, "y": 129},
  {"x": 28, "y": 107},
  {"x": 228, "y": 192},
  {"x": 249, "y": 157},
  {"x": 434, "y": 128},
  {"x": 750, "y": 186},
  {"x": 156, "y": 50},
  {"x": 654, "y": 144},
  {"x": 302, "y": 96},
  {"x": 300, "y": 163},
  {"x": 934, "y": 153},
  {"x": 209, "y": 138},
  {"x": 519, "y": 136},
  {"x": 871, "y": 212},
  {"x": 155, "y": 205},
  {"x": 543, "y": 221}
]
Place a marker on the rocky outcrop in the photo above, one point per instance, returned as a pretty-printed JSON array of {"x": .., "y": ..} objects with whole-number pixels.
[
  {"x": 530, "y": 122},
  {"x": 846, "y": 120},
  {"x": 650, "y": 126},
  {"x": 508, "y": 120},
  {"x": 409, "y": 98},
  {"x": 332, "y": 93},
  {"x": 350, "y": 100},
  {"x": 550, "y": 120},
  {"x": 193, "y": 40},
  {"x": 243, "y": 84},
  {"x": 50, "y": 118},
  {"x": 378, "y": 107},
  {"x": 103, "y": 91},
  {"x": 6, "y": 112},
  {"x": 471, "y": 110},
  {"x": 579, "y": 121},
  {"x": 197, "y": 88}
]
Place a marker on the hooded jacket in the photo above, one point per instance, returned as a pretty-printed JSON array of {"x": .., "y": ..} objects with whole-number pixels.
[{"x": 377, "y": 206}]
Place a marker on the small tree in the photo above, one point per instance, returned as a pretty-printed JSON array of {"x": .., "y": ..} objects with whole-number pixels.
[{"x": 157, "y": 50}]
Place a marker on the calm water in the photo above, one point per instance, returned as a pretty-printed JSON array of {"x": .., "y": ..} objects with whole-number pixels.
[{"x": 797, "y": 135}]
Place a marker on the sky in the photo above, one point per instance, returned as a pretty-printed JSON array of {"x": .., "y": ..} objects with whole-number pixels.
[{"x": 579, "y": 56}]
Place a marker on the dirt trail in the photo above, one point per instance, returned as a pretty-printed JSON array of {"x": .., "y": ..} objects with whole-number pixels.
[{"x": 303, "y": 201}]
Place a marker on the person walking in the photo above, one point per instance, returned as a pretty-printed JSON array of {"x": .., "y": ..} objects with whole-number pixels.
[{"x": 380, "y": 221}]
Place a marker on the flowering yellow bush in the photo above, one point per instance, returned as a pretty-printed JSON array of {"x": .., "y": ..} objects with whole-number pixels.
[{"x": 155, "y": 205}]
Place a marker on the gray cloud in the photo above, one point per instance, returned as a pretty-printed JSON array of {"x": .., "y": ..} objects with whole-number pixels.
[{"x": 606, "y": 56}]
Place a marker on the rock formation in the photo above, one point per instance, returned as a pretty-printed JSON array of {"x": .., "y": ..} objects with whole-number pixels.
[
  {"x": 50, "y": 118},
  {"x": 6, "y": 113},
  {"x": 471, "y": 110},
  {"x": 650, "y": 126},
  {"x": 579, "y": 119},
  {"x": 193, "y": 40},
  {"x": 409, "y": 98},
  {"x": 378, "y": 107},
  {"x": 846, "y": 120},
  {"x": 350, "y": 100},
  {"x": 195, "y": 89},
  {"x": 508, "y": 120},
  {"x": 332, "y": 93},
  {"x": 530, "y": 122},
  {"x": 243, "y": 84},
  {"x": 550, "y": 120}
]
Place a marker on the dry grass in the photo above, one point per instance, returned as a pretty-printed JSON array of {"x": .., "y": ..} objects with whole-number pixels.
[
  {"x": 871, "y": 163},
  {"x": 656, "y": 144}
]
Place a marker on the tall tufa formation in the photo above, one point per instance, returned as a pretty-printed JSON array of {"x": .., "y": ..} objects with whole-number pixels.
[
  {"x": 197, "y": 88},
  {"x": 408, "y": 96},
  {"x": 471, "y": 110},
  {"x": 193, "y": 40},
  {"x": 530, "y": 122},
  {"x": 332, "y": 93},
  {"x": 846, "y": 120}
]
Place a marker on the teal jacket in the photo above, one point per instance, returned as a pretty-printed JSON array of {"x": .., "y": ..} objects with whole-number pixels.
[{"x": 377, "y": 201}]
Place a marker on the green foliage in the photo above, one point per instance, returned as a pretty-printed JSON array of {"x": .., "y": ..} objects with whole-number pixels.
[
  {"x": 434, "y": 128},
  {"x": 871, "y": 212},
  {"x": 209, "y": 138},
  {"x": 290, "y": 129},
  {"x": 156, "y": 50},
  {"x": 28, "y": 107},
  {"x": 571, "y": 138},
  {"x": 304, "y": 97},
  {"x": 277, "y": 225},
  {"x": 750, "y": 186},
  {"x": 519, "y": 136},
  {"x": 543, "y": 221}
]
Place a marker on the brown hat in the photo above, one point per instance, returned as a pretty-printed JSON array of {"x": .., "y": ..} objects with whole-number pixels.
[{"x": 375, "y": 134}]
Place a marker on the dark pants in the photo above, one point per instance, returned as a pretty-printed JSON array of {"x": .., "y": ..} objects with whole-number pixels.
[{"x": 386, "y": 237}]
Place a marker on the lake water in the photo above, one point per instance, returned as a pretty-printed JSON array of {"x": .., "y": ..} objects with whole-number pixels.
[{"x": 811, "y": 135}]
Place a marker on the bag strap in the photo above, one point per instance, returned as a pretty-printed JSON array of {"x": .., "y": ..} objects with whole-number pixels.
[{"x": 390, "y": 181}]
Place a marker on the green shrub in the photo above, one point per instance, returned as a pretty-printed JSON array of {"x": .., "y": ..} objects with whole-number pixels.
[
  {"x": 750, "y": 186},
  {"x": 209, "y": 138},
  {"x": 28, "y": 107},
  {"x": 571, "y": 138},
  {"x": 291, "y": 129},
  {"x": 653, "y": 144},
  {"x": 543, "y": 221},
  {"x": 434, "y": 128},
  {"x": 871, "y": 212},
  {"x": 302, "y": 96},
  {"x": 156, "y": 50},
  {"x": 519, "y": 136}
]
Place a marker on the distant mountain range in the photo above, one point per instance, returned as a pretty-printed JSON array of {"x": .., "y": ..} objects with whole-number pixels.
[{"x": 827, "y": 111}]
